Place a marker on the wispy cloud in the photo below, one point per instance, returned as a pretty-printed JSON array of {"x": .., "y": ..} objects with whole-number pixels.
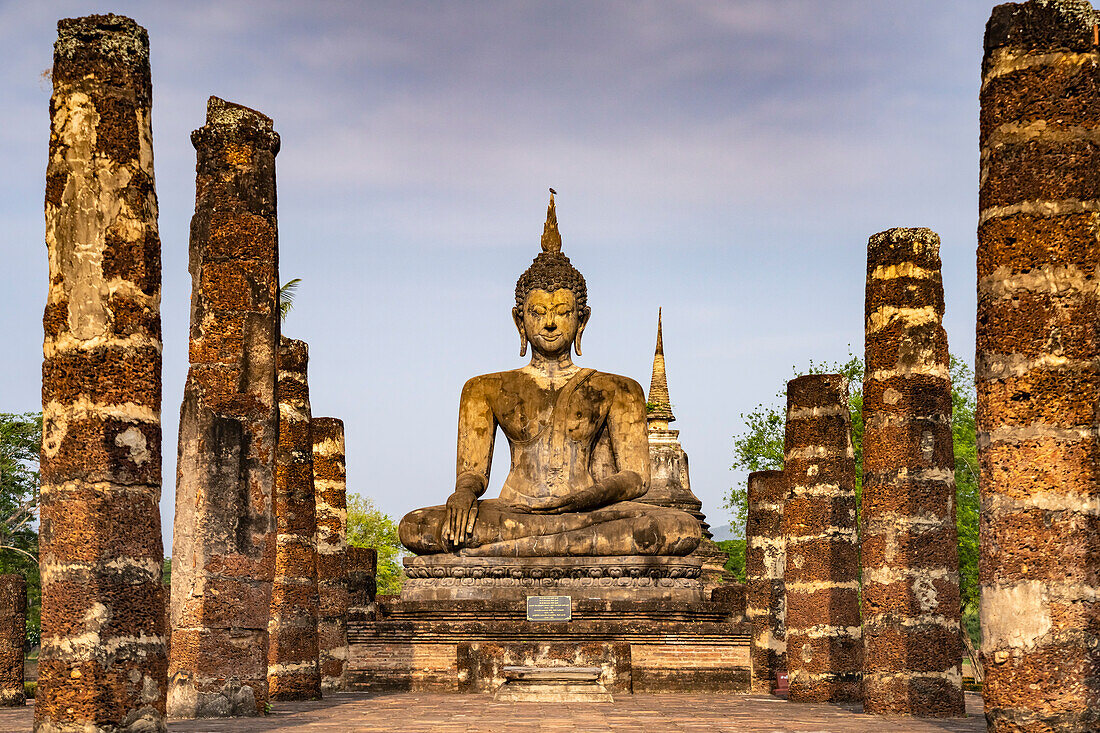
[{"x": 725, "y": 160}]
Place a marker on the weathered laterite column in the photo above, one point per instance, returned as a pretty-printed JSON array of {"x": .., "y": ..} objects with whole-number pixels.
[
  {"x": 824, "y": 646},
  {"x": 102, "y": 664},
  {"x": 1038, "y": 367},
  {"x": 293, "y": 672},
  {"x": 223, "y": 549},
  {"x": 362, "y": 575},
  {"x": 765, "y": 561},
  {"x": 330, "y": 483},
  {"x": 13, "y": 634},
  {"x": 912, "y": 650}
]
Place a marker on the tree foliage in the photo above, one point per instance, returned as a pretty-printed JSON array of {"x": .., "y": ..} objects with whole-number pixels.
[
  {"x": 20, "y": 443},
  {"x": 760, "y": 447},
  {"x": 369, "y": 526},
  {"x": 735, "y": 557}
]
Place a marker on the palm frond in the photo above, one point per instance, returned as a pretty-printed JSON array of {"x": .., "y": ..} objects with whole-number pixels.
[{"x": 286, "y": 297}]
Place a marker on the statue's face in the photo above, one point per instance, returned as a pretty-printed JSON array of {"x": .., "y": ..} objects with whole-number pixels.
[{"x": 552, "y": 321}]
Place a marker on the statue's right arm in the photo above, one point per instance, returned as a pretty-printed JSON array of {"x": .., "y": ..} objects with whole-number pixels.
[
  {"x": 476, "y": 431},
  {"x": 477, "y": 428}
]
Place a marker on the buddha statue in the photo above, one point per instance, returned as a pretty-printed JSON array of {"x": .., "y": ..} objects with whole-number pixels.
[{"x": 578, "y": 443}]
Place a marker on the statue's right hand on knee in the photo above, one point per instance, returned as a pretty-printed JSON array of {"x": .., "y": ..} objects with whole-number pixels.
[{"x": 462, "y": 505}]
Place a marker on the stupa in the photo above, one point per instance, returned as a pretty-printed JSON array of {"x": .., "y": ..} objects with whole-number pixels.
[{"x": 669, "y": 481}]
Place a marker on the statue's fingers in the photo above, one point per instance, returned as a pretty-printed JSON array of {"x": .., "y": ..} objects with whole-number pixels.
[
  {"x": 464, "y": 524},
  {"x": 456, "y": 528},
  {"x": 473, "y": 518}
]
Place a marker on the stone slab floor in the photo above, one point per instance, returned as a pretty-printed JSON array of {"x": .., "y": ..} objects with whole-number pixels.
[{"x": 429, "y": 713}]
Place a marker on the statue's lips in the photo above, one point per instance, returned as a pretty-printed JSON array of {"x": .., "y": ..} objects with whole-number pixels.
[{"x": 555, "y": 337}]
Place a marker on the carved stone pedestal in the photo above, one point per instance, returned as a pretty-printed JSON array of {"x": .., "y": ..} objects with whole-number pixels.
[
  {"x": 627, "y": 578},
  {"x": 552, "y": 684}
]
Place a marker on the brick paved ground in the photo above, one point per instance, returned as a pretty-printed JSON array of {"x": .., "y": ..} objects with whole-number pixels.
[{"x": 417, "y": 713}]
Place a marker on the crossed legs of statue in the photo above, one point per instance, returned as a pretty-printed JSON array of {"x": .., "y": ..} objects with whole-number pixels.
[{"x": 625, "y": 528}]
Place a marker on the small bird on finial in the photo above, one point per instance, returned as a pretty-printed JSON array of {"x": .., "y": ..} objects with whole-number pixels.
[
  {"x": 553, "y": 192},
  {"x": 551, "y": 239}
]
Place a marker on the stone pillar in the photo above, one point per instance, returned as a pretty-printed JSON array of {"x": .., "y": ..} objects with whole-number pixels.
[
  {"x": 362, "y": 572},
  {"x": 103, "y": 660},
  {"x": 13, "y": 635},
  {"x": 824, "y": 644},
  {"x": 292, "y": 668},
  {"x": 223, "y": 548},
  {"x": 329, "y": 480},
  {"x": 912, "y": 650},
  {"x": 1037, "y": 367},
  {"x": 765, "y": 560}
]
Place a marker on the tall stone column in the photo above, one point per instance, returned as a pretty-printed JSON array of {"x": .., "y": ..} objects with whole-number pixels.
[
  {"x": 293, "y": 672},
  {"x": 824, "y": 644},
  {"x": 13, "y": 634},
  {"x": 223, "y": 548},
  {"x": 330, "y": 483},
  {"x": 1038, "y": 367},
  {"x": 765, "y": 561},
  {"x": 911, "y": 605},
  {"x": 102, "y": 663}
]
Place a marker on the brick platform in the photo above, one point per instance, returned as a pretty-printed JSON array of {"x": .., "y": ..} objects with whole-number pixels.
[
  {"x": 462, "y": 646},
  {"x": 420, "y": 713}
]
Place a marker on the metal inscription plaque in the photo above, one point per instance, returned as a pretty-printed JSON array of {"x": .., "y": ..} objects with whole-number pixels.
[{"x": 549, "y": 608}]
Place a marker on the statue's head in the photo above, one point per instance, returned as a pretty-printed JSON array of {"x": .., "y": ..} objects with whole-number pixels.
[{"x": 551, "y": 298}]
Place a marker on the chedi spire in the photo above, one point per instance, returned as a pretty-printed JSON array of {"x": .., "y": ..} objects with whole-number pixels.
[{"x": 658, "y": 406}]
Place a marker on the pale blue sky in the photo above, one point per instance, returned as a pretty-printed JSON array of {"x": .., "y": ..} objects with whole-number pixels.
[{"x": 726, "y": 161}]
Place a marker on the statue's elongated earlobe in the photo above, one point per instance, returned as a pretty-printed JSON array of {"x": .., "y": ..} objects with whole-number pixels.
[
  {"x": 517, "y": 316},
  {"x": 585, "y": 314}
]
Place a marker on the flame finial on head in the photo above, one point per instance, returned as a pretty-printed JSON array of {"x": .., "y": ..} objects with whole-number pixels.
[{"x": 551, "y": 237}]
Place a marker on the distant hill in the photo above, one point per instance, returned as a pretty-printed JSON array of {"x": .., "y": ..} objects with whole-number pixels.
[{"x": 726, "y": 532}]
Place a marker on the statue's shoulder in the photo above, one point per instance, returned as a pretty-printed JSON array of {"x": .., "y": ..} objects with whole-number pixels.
[
  {"x": 618, "y": 383},
  {"x": 483, "y": 383}
]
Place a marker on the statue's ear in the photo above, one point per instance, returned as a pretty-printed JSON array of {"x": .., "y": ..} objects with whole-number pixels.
[
  {"x": 517, "y": 316},
  {"x": 582, "y": 321}
]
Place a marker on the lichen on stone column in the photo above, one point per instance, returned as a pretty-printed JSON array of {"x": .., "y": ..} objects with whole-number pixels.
[
  {"x": 330, "y": 484},
  {"x": 102, "y": 665},
  {"x": 223, "y": 547},
  {"x": 911, "y": 604},
  {"x": 1038, "y": 384},
  {"x": 765, "y": 561},
  {"x": 13, "y": 635},
  {"x": 293, "y": 672},
  {"x": 821, "y": 576}
]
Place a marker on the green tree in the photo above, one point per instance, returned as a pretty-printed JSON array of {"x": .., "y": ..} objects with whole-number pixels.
[
  {"x": 369, "y": 526},
  {"x": 760, "y": 447},
  {"x": 965, "y": 434},
  {"x": 735, "y": 554},
  {"x": 20, "y": 443}
]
